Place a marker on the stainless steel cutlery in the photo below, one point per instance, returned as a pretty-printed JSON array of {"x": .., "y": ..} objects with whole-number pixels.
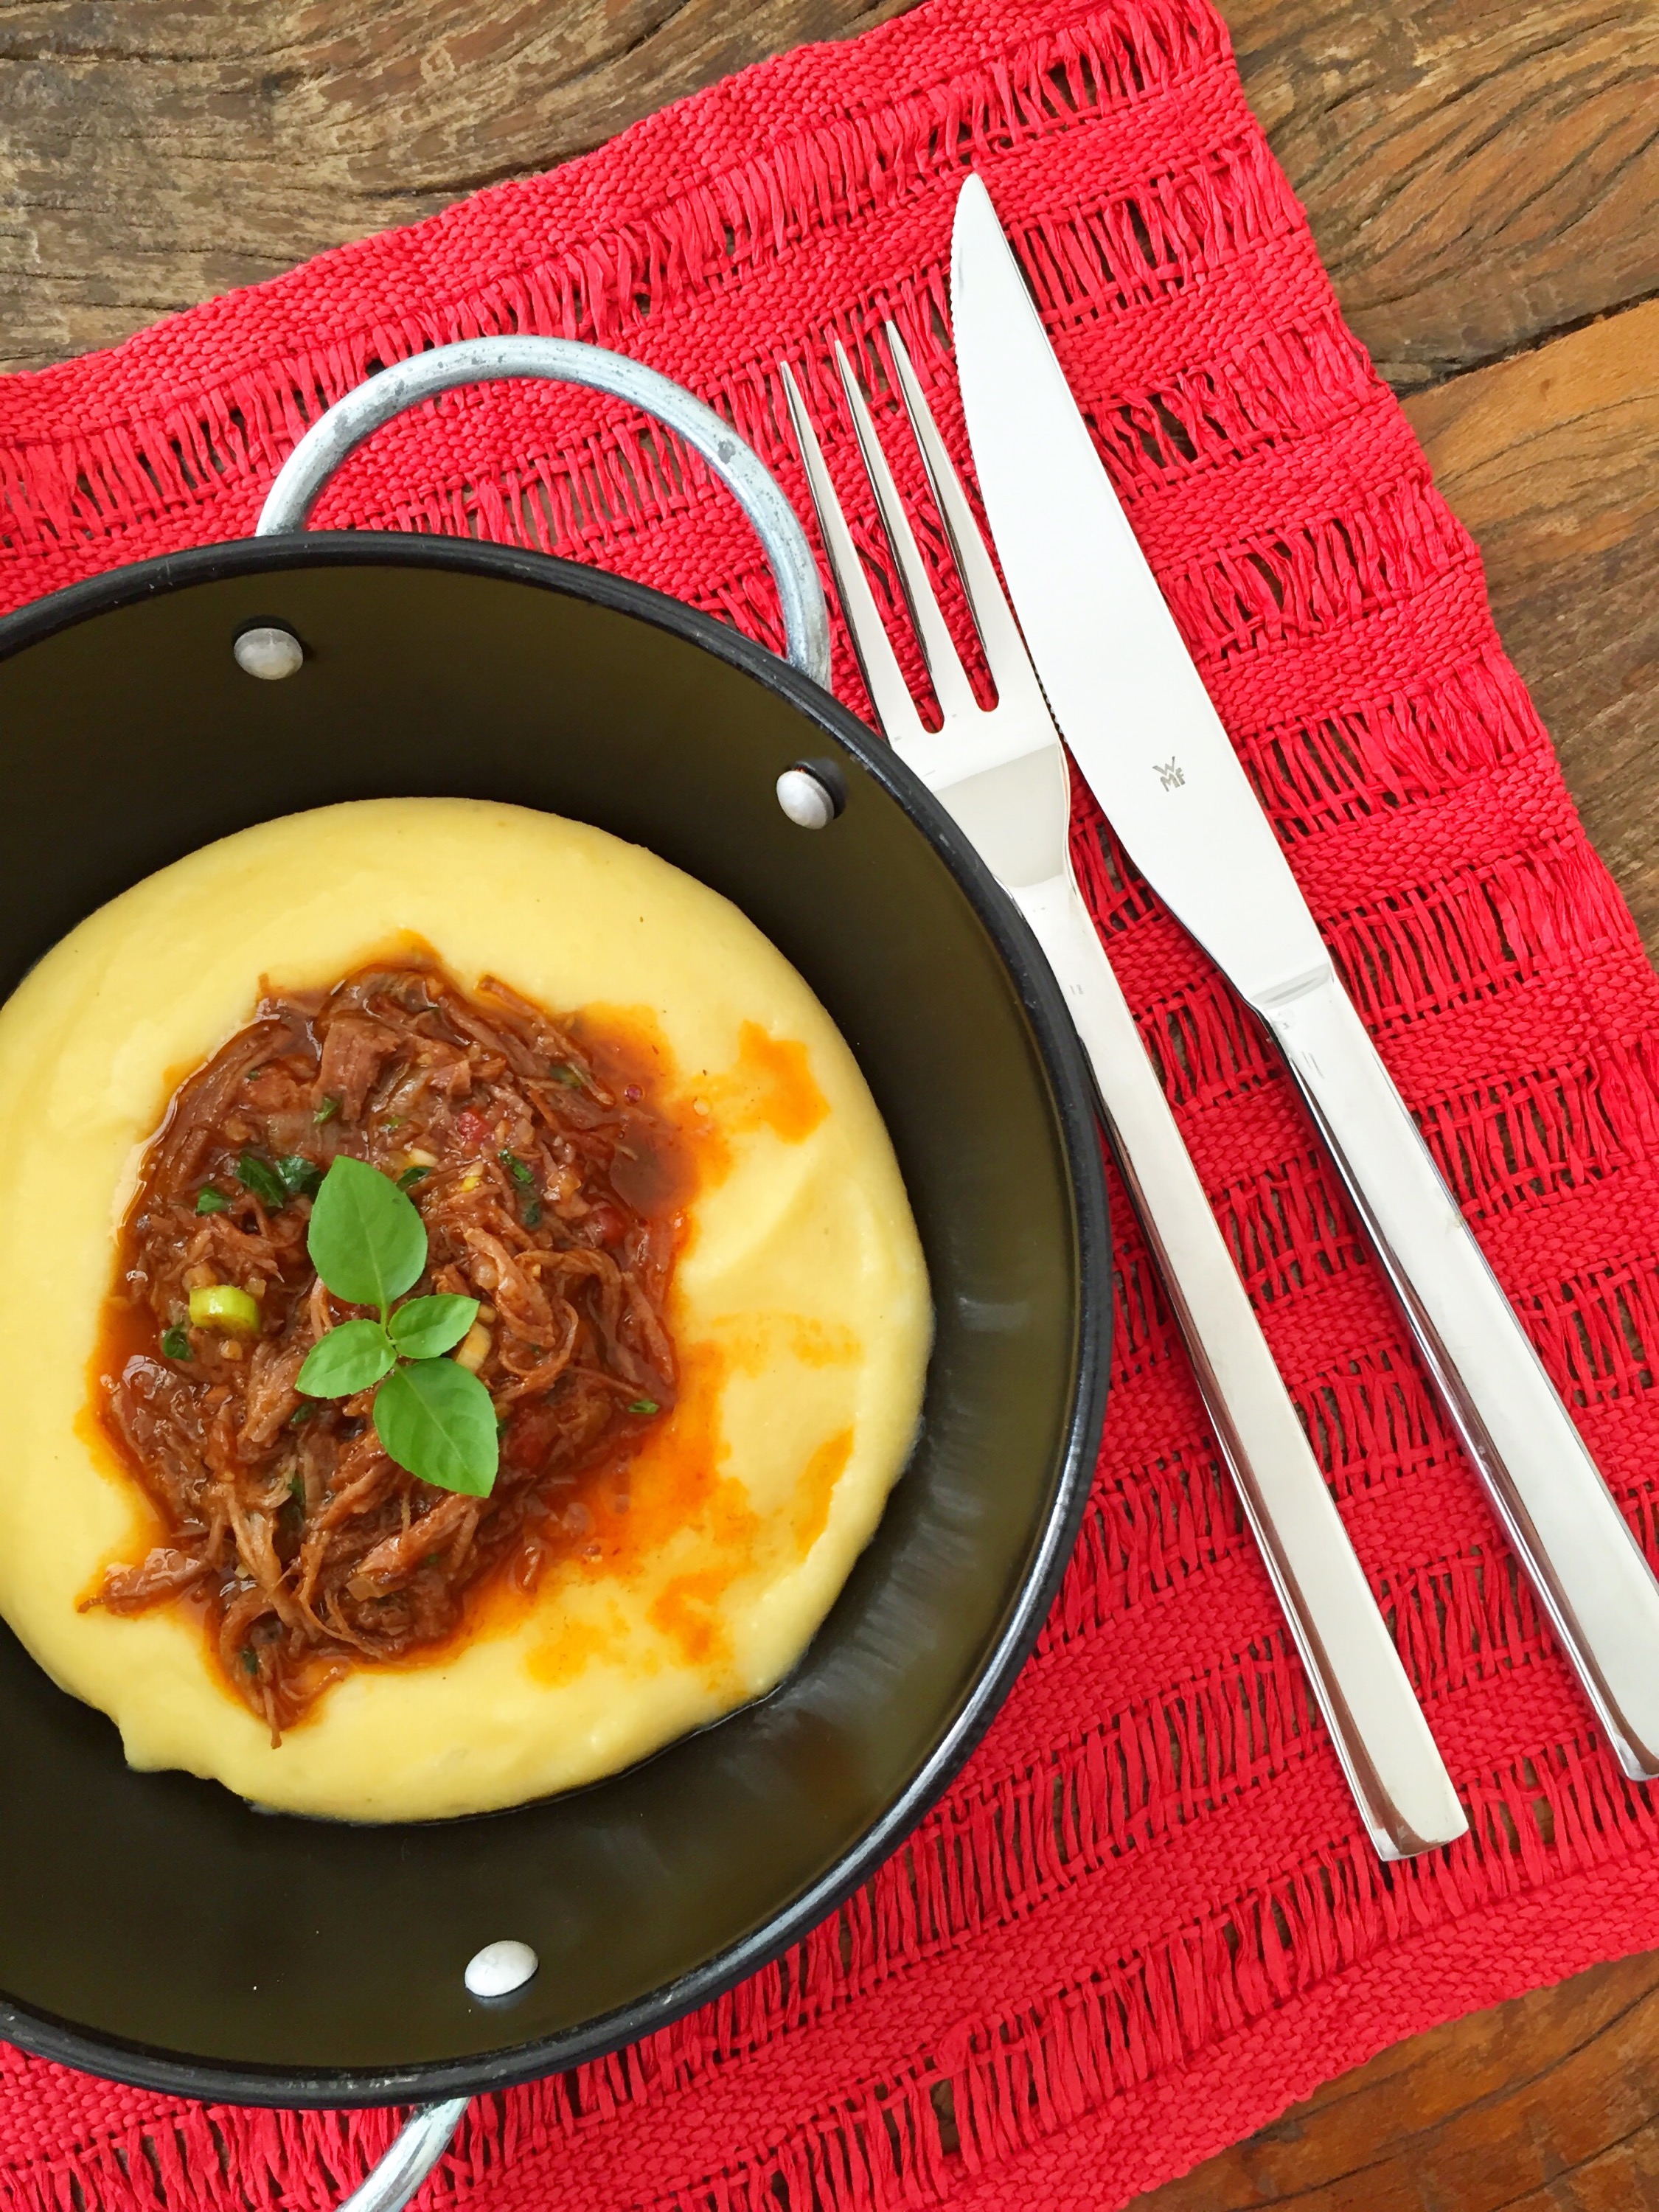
[
  {"x": 1140, "y": 726},
  {"x": 1002, "y": 773}
]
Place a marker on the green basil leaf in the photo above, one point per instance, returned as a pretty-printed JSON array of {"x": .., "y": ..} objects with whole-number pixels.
[
  {"x": 262, "y": 1179},
  {"x": 348, "y": 1359},
  {"x": 426, "y": 1327},
  {"x": 437, "y": 1420},
  {"x": 300, "y": 1176},
  {"x": 366, "y": 1239}
]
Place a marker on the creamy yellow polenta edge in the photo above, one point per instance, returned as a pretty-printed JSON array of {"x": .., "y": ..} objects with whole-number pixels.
[{"x": 801, "y": 1304}]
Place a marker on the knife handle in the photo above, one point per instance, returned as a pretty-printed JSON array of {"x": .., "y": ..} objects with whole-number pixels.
[
  {"x": 1575, "y": 1543},
  {"x": 1399, "y": 1781}
]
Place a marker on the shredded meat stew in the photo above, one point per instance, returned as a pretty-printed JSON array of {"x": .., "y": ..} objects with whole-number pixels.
[{"x": 551, "y": 1187}]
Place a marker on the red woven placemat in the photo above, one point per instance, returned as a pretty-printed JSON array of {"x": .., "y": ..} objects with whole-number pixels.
[{"x": 1144, "y": 1921}]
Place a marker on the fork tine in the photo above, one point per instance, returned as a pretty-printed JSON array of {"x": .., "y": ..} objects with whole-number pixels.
[
  {"x": 1004, "y": 649},
  {"x": 951, "y": 685},
  {"x": 884, "y": 679}
]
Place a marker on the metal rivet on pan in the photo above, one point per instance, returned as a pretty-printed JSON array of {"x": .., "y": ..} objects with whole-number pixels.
[
  {"x": 807, "y": 798},
  {"x": 269, "y": 653},
  {"x": 500, "y": 1968}
]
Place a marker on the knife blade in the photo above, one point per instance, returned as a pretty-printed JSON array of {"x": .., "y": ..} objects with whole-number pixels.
[{"x": 1133, "y": 708}]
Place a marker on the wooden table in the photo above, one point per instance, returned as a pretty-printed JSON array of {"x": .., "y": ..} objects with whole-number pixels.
[{"x": 1483, "y": 179}]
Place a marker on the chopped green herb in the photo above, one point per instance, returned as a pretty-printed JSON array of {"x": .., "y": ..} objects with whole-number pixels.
[
  {"x": 562, "y": 1071},
  {"x": 300, "y": 1414},
  {"x": 396, "y": 1122},
  {"x": 410, "y": 1176},
  {"x": 326, "y": 1111},
  {"x": 296, "y": 1488},
  {"x": 645, "y": 1405},
  {"x": 221, "y": 1306},
  {"x": 175, "y": 1343},
  {"x": 250, "y": 1072},
  {"x": 249, "y": 1660},
  {"x": 209, "y": 1201},
  {"x": 300, "y": 1177},
  {"x": 262, "y": 1179},
  {"x": 524, "y": 1175}
]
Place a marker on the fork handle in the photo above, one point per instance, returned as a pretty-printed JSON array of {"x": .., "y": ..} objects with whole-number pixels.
[{"x": 1399, "y": 1781}]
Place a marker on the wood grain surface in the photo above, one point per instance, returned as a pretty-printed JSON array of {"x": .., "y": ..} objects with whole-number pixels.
[
  {"x": 1550, "y": 2104},
  {"x": 1552, "y": 459},
  {"x": 1483, "y": 179}
]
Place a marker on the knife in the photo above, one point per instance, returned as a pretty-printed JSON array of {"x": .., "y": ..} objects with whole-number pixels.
[{"x": 1140, "y": 723}]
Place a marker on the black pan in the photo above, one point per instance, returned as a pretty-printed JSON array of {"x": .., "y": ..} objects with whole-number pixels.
[{"x": 152, "y": 1927}]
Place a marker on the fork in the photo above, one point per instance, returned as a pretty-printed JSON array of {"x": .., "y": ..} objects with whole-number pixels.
[{"x": 1002, "y": 773}]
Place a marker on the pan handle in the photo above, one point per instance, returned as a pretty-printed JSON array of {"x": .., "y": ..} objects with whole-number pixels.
[
  {"x": 424, "y": 2138},
  {"x": 475, "y": 361}
]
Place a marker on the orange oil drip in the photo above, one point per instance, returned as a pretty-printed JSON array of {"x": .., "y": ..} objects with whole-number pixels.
[{"x": 817, "y": 1488}]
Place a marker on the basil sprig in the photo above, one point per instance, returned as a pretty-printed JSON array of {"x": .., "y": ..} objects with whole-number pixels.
[{"x": 368, "y": 1243}]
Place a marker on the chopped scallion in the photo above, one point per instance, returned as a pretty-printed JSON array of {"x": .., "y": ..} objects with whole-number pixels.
[
  {"x": 561, "y": 1072},
  {"x": 531, "y": 1213},
  {"x": 410, "y": 1176},
  {"x": 326, "y": 1111},
  {"x": 209, "y": 1201},
  {"x": 520, "y": 1171},
  {"x": 224, "y": 1306},
  {"x": 175, "y": 1343},
  {"x": 645, "y": 1405}
]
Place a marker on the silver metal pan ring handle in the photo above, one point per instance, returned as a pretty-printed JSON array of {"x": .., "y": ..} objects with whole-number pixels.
[
  {"x": 420, "y": 2143},
  {"x": 562, "y": 361}
]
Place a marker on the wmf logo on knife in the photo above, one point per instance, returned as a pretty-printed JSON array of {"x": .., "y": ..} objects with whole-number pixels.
[{"x": 1170, "y": 773}]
